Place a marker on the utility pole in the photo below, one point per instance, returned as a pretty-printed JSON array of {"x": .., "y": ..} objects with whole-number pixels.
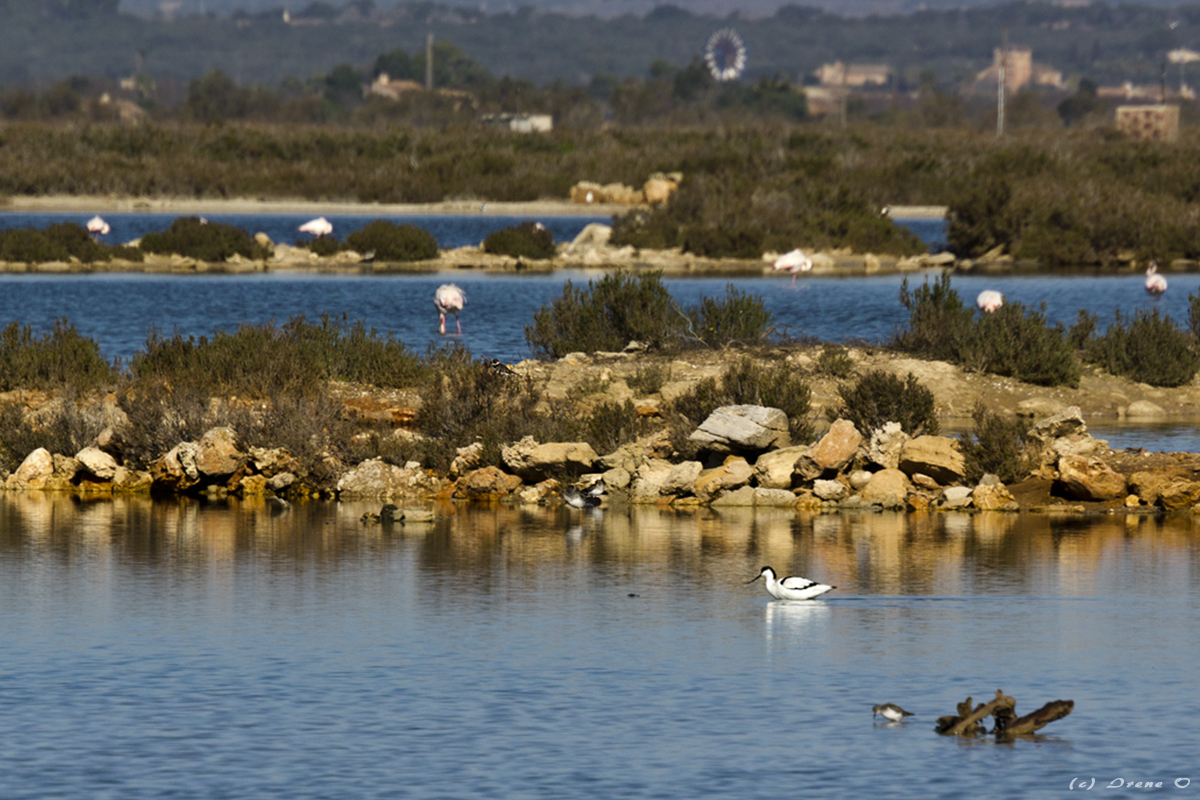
[
  {"x": 429, "y": 61},
  {"x": 1001, "y": 79}
]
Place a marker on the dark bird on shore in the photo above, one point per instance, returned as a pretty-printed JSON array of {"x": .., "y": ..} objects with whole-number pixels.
[
  {"x": 1155, "y": 284},
  {"x": 499, "y": 366},
  {"x": 577, "y": 499},
  {"x": 449, "y": 299},
  {"x": 891, "y": 711}
]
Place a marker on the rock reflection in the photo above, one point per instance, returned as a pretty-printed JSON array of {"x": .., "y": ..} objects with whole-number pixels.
[{"x": 953, "y": 554}]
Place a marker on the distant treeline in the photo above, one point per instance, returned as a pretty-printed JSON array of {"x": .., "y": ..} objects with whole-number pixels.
[
  {"x": 42, "y": 43},
  {"x": 1076, "y": 197}
]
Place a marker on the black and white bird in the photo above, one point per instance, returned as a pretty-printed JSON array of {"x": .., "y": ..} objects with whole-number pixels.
[
  {"x": 596, "y": 489},
  {"x": 891, "y": 711},
  {"x": 577, "y": 499},
  {"x": 791, "y": 588}
]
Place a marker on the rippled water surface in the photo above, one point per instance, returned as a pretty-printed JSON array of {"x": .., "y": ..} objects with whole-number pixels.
[{"x": 195, "y": 650}]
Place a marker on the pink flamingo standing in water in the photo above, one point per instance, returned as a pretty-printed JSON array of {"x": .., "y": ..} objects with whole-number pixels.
[
  {"x": 318, "y": 227},
  {"x": 97, "y": 226},
  {"x": 1155, "y": 284},
  {"x": 794, "y": 262},
  {"x": 449, "y": 299},
  {"x": 989, "y": 300}
]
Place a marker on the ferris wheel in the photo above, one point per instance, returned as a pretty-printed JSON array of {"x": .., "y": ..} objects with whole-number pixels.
[{"x": 725, "y": 55}]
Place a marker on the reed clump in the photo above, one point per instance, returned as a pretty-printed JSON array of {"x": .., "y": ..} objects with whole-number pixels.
[
  {"x": 996, "y": 445},
  {"x": 388, "y": 241},
  {"x": 1148, "y": 348}
]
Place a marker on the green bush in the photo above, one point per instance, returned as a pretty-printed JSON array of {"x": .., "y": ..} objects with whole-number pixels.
[
  {"x": 938, "y": 322},
  {"x": 607, "y": 315},
  {"x": 996, "y": 446},
  {"x": 68, "y": 426},
  {"x": 197, "y": 238},
  {"x": 1019, "y": 344},
  {"x": 648, "y": 379},
  {"x": 835, "y": 362},
  {"x": 879, "y": 397},
  {"x": 738, "y": 317},
  {"x": 645, "y": 230},
  {"x": 526, "y": 240},
  {"x": 267, "y": 360},
  {"x": 391, "y": 242},
  {"x": 746, "y": 382},
  {"x": 1147, "y": 349},
  {"x": 60, "y": 358},
  {"x": 722, "y": 242},
  {"x": 321, "y": 245},
  {"x": 25, "y": 245},
  {"x": 611, "y": 425}
]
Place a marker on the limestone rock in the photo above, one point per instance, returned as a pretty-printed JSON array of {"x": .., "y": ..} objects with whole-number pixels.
[
  {"x": 536, "y": 462},
  {"x": 992, "y": 497},
  {"x": 743, "y": 429},
  {"x": 888, "y": 488},
  {"x": 774, "y": 470},
  {"x": 177, "y": 469},
  {"x": 376, "y": 478},
  {"x": 859, "y": 478},
  {"x": 616, "y": 478},
  {"x": 252, "y": 486},
  {"x": 886, "y": 445},
  {"x": 681, "y": 478},
  {"x": 956, "y": 497},
  {"x": 34, "y": 471},
  {"x": 648, "y": 480},
  {"x": 466, "y": 459},
  {"x": 1063, "y": 434},
  {"x": 131, "y": 481},
  {"x": 1148, "y": 485},
  {"x": 835, "y": 450},
  {"x": 539, "y": 493},
  {"x": 781, "y": 498},
  {"x": 732, "y": 474},
  {"x": 938, "y": 457},
  {"x": 1178, "y": 495},
  {"x": 1089, "y": 479},
  {"x": 1144, "y": 410},
  {"x": 488, "y": 483},
  {"x": 218, "y": 454},
  {"x": 829, "y": 490},
  {"x": 273, "y": 461},
  {"x": 742, "y": 496},
  {"x": 97, "y": 462}
]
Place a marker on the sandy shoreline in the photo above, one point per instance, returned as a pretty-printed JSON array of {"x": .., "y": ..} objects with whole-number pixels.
[{"x": 105, "y": 204}]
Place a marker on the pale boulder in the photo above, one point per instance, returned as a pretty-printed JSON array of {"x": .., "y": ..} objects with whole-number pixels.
[
  {"x": 681, "y": 478},
  {"x": 734, "y": 473},
  {"x": 34, "y": 471},
  {"x": 828, "y": 456},
  {"x": 1089, "y": 479},
  {"x": 745, "y": 428},
  {"x": 377, "y": 478},
  {"x": 886, "y": 445},
  {"x": 97, "y": 462},
  {"x": 488, "y": 483},
  {"x": 829, "y": 490},
  {"x": 536, "y": 462},
  {"x": 648, "y": 480},
  {"x": 218, "y": 454},
  {"x": 888, "y": 488},
  {"x": 774, "y": 469},
  {"x": 938, "y": 457}
]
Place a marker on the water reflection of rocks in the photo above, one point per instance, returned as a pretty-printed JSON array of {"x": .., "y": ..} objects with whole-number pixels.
[{"x": 942, "y": 554}]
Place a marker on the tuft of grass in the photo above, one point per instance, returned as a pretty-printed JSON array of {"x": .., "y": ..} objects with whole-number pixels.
[
  {"x": 737, "y": 318},
  {"x": 879, "y": 397},
  {"x": 835, "y": 362},
  {"x": 649, "y": 379}
]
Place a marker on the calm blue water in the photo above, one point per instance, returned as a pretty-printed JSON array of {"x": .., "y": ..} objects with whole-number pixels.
[{"x": 192, "y": 650}]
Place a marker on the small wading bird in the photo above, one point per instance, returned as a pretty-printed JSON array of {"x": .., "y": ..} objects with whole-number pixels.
[
  {"x": 989, "y": 300},
  {"x": 791, "y": 588},
  {"x": 317, "y": 227},
  {"x": 596, "y": 489},
  {"x": 449, "y": 299},
  {"x": 891, "y": 711},
  {"x": 1155, "y": 284},
  {"x": 97, "y": 226},
  {"x": 794, "y": 262},
  {"x": 577, "y": 499}
]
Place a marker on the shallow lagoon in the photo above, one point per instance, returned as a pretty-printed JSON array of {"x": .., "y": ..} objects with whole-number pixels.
[{"x": 191, "y": 649}]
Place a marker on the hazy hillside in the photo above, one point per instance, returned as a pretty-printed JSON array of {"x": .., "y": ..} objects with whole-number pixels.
[{"x": 1108, "y": 44}]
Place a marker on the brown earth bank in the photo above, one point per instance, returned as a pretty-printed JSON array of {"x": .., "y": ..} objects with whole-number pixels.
[{"x": 841, "y": 469}]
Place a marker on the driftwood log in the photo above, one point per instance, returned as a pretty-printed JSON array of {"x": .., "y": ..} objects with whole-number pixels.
[{"x": 969, "y": 719}]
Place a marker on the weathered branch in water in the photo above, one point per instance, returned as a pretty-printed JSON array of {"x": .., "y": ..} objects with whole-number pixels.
[
  {"x": 1011, "y": 725},
  {"x": 968, "y": 722}
]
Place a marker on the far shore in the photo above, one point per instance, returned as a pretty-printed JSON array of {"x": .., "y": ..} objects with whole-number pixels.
[{"x": 106, "y": 204}]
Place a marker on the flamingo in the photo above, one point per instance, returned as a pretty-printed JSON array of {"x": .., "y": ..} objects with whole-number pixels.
[
  {"x": 449, "y": 299},
  {"x": 97, "y": 226},
  {"x": 318, "y": 227},
  {"x": 989, "y": 300},
  {"x": 794, "y": 262},
  {"x": 1155, "y": 284}
]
